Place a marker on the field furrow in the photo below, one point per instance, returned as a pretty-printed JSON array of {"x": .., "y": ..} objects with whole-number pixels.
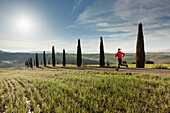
[{"x": 77, "y": 91}]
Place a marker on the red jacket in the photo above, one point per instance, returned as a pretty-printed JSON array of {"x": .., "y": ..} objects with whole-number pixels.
[{"x": 119, "y": 55}]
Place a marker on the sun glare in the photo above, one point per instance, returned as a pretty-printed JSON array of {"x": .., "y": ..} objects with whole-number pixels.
[{"x": 24, "y": 24}]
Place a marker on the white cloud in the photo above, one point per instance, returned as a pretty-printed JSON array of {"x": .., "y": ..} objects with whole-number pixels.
[
  {"x": 119, "y": 19},
  {"x": 76, "y": 6},
  {"x": 146, "y": 11},
  {"x": 104, "y": 24},
  {"x": 92, "y": 13},
  {"x": 124, "y": 11}
]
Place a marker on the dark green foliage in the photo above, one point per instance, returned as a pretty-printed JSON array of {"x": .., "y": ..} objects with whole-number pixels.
[
  {"x": 124, "y": 62},
  {"x": 53, "y": 57},
  {"x": 64, "y": 58},
  {"x": 140, "y": 52},
  {"x": 102, "y": 63},
  {"x": 108, "y": 64},
  {"x": 30, "y": 63},
  {"x": 149, "y": 62},
  {"x": 36, "y": 60},
  {"x": 79, "y": 55},
  {"x": 26, "y": 64},
  {"x": 44, "y": 59}
]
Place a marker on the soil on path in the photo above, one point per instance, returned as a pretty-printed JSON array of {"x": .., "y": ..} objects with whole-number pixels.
[{"x": 130, "y": 70}]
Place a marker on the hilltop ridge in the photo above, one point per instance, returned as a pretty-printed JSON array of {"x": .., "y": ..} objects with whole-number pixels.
[{"x": 8, "y": 59}]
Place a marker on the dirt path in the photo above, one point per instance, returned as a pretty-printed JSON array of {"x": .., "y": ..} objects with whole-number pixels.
[{"x": 131, "y": 70}]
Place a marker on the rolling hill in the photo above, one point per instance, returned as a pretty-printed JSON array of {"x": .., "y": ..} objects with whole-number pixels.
[{"x": 8, "y": 59}]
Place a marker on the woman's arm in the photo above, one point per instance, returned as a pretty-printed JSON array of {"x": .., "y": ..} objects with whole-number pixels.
[{"x": 123, "y": 54}]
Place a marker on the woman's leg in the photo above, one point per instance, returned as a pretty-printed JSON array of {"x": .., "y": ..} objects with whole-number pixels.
[{"x": 120, "y": 63}]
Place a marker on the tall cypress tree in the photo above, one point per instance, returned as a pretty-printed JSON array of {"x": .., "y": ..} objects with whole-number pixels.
[
  {"x": 53, "y": 57},
  {"x": 27, "y": 65},
  {"x": 64, "y": 58},
  {"x": 28, "y": 62},
  {"x": 102, "y": 63},
  {"x": 36, "y": 60},
  {"x": 44, "y": 59},
  {"x": 79, "y": 55},
  {"x": 140, "y": 52},
  {"x": 31, "y": 66}
]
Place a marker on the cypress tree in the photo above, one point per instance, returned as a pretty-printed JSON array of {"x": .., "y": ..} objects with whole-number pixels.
[
  {"x": 31, "y": 66},
  {"x": 26, "y": 62},
  {"x": 48, "y": 62},
  {"x": 102, "y": 63},
  {"x": 44, "y": 59},
  {"x": 53, "y": 57},
  {"x": 64, "y": 58},
  {"x": 140, "y": 52},
  {"x": 79, "y": 55},
  {"x": 36, "y": 60}
]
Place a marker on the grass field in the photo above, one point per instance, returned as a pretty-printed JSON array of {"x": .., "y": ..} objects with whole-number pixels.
[
  {"x": 152, "y": 66},
  {"x": 78, "y": 91}
]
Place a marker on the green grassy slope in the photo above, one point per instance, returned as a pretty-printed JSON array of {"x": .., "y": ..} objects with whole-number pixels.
[
  {"x": 130, "y": 57},
  {"x": 77, "y": 91}
]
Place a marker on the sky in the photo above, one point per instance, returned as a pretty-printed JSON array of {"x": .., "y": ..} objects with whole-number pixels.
[{"x": 37, "y": 25}]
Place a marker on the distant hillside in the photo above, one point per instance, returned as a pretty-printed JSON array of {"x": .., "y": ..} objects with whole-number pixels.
[
  {"x": 2, "y": 51},
  {"x": 18, "y": 59},
  {"x": 8, "y": 59}
]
